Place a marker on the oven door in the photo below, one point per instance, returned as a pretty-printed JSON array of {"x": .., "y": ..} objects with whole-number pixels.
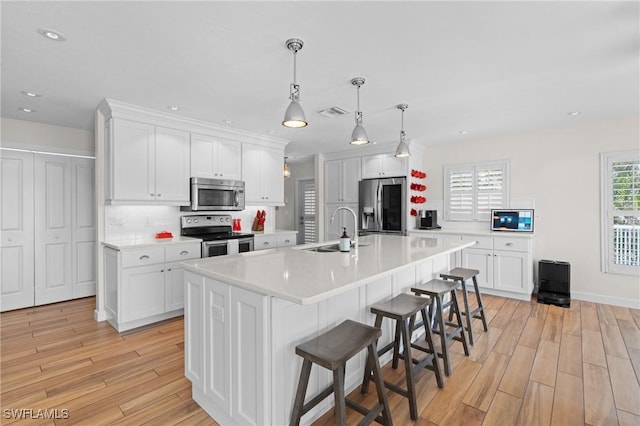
[
  {"x": 245, "y": 244},
  {"x": 215, "y": 248}
]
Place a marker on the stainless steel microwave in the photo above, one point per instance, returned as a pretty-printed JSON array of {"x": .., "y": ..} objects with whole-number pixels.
[{"x": 216, "y": 195}]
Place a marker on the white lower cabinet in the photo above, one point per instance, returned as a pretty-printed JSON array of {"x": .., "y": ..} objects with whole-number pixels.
[
  {"x": 275, "y": 240},
  {"x": 145, "y": 285}
]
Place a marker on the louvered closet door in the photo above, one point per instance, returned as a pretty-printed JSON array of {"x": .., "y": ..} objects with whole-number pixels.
[
  {"x": 16, "y": 225},
  {"x": 53, "y": 231}
]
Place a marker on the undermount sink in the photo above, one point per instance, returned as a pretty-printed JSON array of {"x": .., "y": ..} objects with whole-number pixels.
[{"x": 331, "y": 248}]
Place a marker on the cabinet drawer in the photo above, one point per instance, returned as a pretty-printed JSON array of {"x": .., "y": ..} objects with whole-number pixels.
[
  {"x": 141, "y": 257},
  {"x": 481, "y": 242},
  {"x": 182, "y": 252},
  {"x": 262, "y": 242},
  {"x": 286, "y": 240},
  {"x": 513, "y": 244}
]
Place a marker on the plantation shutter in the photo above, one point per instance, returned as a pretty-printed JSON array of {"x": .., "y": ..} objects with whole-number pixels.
[
  {"x": 472, "y": 190},
  {"x": 310, "y": 231}
]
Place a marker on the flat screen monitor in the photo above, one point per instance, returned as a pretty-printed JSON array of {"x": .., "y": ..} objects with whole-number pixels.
[{"x": 514, "y": 220}]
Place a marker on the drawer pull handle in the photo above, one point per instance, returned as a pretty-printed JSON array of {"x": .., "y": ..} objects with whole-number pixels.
[
  {"x": 286, "y": 241},
  {"x": 508, "y": 244},
  {"x": 183, "y": 252},
  {"x": 144, "y": 257},
  {"x": 266, "y": 243}
]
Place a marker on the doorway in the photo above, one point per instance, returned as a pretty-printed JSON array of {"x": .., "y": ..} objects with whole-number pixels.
[{"x": 306, "y": 211}]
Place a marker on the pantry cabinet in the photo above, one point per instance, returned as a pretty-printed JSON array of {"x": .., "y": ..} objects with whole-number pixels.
[
  {"x": 145, "y": 285},
  {"x": 262, "y": 174},
  {"x": 341, "y": 179},
  {"x": 146, "y": 164},
  {"x": 215, "y": 158},
  {"x": 383, "y": 165}
]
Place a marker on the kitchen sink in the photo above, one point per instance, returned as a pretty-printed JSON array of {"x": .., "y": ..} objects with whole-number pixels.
[{"x": 331, "y": 248}]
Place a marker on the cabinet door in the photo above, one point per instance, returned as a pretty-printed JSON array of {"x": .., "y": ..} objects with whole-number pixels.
[
  {"x": 194, "y": 329},
  {"x": 84, "y": 231},
  {"x": 273, "y": 181},
  {"x": 351, "y": 171},
  {"x": 511, "y": 271},
  {"x": 53, "y": 273},
  {"x": 173, "y": 287},
  {"x": 203, "y": 156},
  {"x": 172, "y": 166},
  {"x": 263, "y": 242},
  {"x": 250, "y": 334},
  {"x": 482, "y": 260},
  {"x": 218, "y": 324},
  {"x": 371, "y": 167},
  {"x": 333, "y": 181},
  {"x": 393, "y": 166},
  {"x": 16, "y": 220},
  {"x": 252, "y": 173},
  {"x": 132, "y": 167},
  {"x": 229, "y": 158},
  {"x": 142, "y": 292}
]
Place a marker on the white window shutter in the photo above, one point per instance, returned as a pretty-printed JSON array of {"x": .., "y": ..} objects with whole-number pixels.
[{"x": 460, "y": 192}]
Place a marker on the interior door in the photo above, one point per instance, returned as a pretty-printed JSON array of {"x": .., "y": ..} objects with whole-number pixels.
[
  {"x": 53, "y": 275},
  {"x": 84, "y": 231},
  {"x": 16, "y": 225},
  {"x": 306, "y": 206}
]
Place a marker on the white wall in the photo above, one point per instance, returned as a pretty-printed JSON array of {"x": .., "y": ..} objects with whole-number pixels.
[
  {"x": 560, "y": 170},
  {"x": 286, "y": 215},
  {"x": 31, "y": 135}
]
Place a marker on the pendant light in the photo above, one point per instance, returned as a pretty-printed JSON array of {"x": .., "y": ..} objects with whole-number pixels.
[
  {"x": 358, "y": 136},
  {"x": 403, "y": 147},
  {"x": 285, "y": 170},
  {"x": 294, "y": 116}
]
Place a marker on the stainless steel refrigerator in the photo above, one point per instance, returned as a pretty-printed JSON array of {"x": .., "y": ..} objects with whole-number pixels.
[{"x": 383, "y": 206}]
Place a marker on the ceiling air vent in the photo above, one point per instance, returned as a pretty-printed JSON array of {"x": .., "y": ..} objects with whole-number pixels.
[{"x": 334, "y": 111}]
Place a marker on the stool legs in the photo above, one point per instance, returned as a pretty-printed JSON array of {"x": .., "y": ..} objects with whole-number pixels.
[
  {"x": 301, "y": 393},
  {"x": 338, "y": 394},
  {"x": 442, "y": 330},
  {"x": 480, "y": 304},
  {"x": 374, "y": 363},
  {"x": 468, "y": 312}
]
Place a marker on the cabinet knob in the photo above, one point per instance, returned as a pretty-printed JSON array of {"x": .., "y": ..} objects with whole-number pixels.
[
  {"x": 161, "y": 270},
  {"x": 169, "y": 270},
  {"x": 509, "y": 244},
  {"x": 9, "y": 239},
  {"x": 144, "y": 257},
  {"x": 183, "y": 252},
  {"x": 57, "y": 237}
]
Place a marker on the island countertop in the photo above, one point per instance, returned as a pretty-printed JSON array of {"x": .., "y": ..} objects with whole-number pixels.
[{"x": 306, "y": 277}]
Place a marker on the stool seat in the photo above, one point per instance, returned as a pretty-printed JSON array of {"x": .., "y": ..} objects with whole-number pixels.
[
  {"x": 436, "y": 289},
  {"x": 462, "y": 275},
  {"x": 339, "y": 344},
  {"x": 332, "y": 350},
  {"x": 401, "y": 308}
]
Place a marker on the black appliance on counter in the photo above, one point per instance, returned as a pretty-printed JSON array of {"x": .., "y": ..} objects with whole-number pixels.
[
  {"x": 215, "y": 230},
  {"x": 428, "y": 219},
  {"x": 554, "y": 287}
]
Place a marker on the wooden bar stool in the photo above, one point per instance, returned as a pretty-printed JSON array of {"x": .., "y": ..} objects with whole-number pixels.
[
  {"x": 436, "y": 289},
  {"x": 462, "y": 275},
  {"x": 403, "y": 309},
  {"x": 332, "y": 350}
]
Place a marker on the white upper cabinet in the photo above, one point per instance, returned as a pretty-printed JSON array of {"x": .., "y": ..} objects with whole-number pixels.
[
  {"x": 215, "y": 158},
  {"x": 341, "y": 179},
  {"x": 262, "y": 174},
  {"x": 384, "y": 165},
  {"x": 146, "y": 164}
]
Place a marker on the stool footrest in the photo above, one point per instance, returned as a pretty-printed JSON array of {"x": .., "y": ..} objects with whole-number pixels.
[
  {"x": 370, "y": 415},
  {"x": 316, "y": 400}
]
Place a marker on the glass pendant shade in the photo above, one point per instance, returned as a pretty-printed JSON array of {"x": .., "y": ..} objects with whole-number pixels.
[{"x": 285, "y": 170}]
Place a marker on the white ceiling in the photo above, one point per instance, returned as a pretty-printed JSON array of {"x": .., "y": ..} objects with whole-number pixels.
[{"x": 485, "y": 67}]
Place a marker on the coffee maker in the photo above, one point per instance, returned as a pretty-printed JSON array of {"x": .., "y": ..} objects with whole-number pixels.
[{"x": 428, "y": 219}]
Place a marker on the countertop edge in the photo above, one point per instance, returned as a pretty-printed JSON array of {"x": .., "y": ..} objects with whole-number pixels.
[{"x": 148, "y": 242}]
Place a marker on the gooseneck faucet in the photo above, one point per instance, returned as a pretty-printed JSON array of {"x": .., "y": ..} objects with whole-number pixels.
[{"x": 354, "y": 241}]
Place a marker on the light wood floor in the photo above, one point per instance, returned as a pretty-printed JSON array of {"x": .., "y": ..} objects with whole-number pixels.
[{"x": 537, "y": 365}]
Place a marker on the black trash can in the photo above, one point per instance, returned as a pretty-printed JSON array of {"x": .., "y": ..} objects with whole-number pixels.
[{"x": 554, "y": 283}]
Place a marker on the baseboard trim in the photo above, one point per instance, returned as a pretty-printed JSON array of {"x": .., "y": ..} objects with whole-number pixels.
[
  {"x": 99, "y": 316},
  {"x": 607, "y": 300}
]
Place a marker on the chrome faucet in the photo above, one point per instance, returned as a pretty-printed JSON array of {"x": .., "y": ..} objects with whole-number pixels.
[{"x": 354, "y": 241}]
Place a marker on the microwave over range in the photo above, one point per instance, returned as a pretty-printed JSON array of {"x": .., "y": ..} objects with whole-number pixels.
[{"x": 216, "y": 195}]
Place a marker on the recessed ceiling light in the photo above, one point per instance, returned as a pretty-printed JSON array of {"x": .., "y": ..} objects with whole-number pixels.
[
  {"x": 463, "y": 132},
  {"x": 227, "y": 121},
  {"x": 174, "y": 108},
  {"x": 51, "y": 34},
  {"x": 573, "y": 113},
  {"x": 30, "y": 94},
  {"x": 26, "y": 109}
]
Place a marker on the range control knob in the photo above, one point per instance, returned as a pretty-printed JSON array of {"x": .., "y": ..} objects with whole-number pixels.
[
  {"x": 227, "y": 219},
  {"x": 195, "y": 220},
  {"x": 188, "y": 220}
]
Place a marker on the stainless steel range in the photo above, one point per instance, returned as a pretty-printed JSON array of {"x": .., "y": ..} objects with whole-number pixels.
[{"x": 215, "y": 230}]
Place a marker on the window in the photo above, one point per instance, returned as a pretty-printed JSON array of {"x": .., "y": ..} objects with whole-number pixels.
[
  {"x": 620, "y": 201},
  {"x": 308, "y": 216},
  {"x": 472, "y": 190}
]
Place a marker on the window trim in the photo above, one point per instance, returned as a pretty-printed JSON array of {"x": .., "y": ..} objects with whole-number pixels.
[
  {"x": 474, "y": 168},
  {"x": 606, "y": 229}
]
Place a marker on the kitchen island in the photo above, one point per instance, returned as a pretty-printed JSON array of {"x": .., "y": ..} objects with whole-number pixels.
[{"x": 246, "y": 313}]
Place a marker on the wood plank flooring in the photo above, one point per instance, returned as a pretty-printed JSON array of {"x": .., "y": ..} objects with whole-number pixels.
[{"x": 537, "y": 365}]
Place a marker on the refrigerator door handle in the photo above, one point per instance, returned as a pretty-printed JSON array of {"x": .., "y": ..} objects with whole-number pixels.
[{"x": 379, "y": 207}]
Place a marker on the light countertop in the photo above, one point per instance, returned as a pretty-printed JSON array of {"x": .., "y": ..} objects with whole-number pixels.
[
  {"x": 487, "y": 233},
  {"x": 274, "y": 232},
  {"x": 307, "y": 277},
  {"x": 148, "y": 242}
]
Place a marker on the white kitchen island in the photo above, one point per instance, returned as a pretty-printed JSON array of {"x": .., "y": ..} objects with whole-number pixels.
[{"x": 246, "y": 313}]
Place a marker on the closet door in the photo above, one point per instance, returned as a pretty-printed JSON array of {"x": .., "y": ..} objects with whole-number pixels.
[
  {"x": 53, "y": 230},
  {"x": 84, "y": 231},
  {"x": 16, "y": 226}
]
